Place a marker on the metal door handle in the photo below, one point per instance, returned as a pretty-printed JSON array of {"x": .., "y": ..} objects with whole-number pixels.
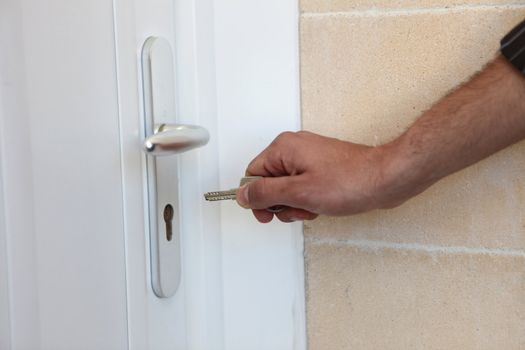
[
  {"x": 163, "y": 136},
  {"x": 175, "y": 138}
]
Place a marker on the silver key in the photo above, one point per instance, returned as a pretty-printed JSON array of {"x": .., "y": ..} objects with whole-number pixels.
[{"x": 230, "y": 194}]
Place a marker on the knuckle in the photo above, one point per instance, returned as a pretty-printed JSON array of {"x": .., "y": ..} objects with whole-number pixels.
[
  {"x": 285, "y": 137},
  {"x": 251, "y": 167}
]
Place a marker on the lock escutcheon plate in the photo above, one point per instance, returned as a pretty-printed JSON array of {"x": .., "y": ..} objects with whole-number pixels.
[{"x": 158, "y": 78}]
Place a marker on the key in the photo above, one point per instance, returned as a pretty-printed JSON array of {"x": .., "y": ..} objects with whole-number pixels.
[{"x": 230, "y": 194}]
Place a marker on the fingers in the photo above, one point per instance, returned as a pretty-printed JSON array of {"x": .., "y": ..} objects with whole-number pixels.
[
  {"x": 259, "y": 165},
  {"x": 262, "y": 215},
  {"x": 281, "y": 184},
  {"x": 269, "y": 191},
  {"x": 277, "y": 159},
  {"x": 288, "y": 215},
  {"x": 294, "y": 214}
]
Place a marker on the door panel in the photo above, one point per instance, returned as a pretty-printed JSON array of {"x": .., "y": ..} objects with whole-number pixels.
[
  {"x": 72, "y": 215},
  {"x": 74, "y": 232}
]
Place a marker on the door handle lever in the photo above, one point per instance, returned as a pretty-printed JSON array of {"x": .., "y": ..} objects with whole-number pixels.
[{"x": 175, "y": 138}]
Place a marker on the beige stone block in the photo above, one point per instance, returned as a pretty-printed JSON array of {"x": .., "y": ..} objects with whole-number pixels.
[
  {"x": 367, "y": 78},
  {"x": 363, "y": 298},
  {"x": 353, "y": 5}
]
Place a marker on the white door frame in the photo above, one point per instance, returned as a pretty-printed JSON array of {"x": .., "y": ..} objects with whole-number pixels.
[
  {"x": 237, "y": 74},
  {"x": 257, "y": 69}
]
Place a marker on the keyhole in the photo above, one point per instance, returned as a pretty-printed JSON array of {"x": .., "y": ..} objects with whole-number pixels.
[{"x": 168, "y": 218}]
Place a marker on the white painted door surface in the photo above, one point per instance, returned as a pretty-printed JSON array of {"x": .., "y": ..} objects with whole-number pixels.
[{"x": 74, "y": 250}]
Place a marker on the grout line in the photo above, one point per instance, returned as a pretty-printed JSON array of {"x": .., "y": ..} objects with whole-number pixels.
[
  {"x": 383, "y": 245},
  {"x": 378, "y": 12}
]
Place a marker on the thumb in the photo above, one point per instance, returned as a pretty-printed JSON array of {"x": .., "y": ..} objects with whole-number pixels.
[{"x": 270, "y": 191}]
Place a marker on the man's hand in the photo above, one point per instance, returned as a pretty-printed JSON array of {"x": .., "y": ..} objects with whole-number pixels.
[{"x": 311, "y": 175}]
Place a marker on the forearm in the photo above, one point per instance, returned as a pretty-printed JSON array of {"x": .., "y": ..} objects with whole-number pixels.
[
  {"x": 476, "y": 120},
  {"x": 311, "y": 174}
]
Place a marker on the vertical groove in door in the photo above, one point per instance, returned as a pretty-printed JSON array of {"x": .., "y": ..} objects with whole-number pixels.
[
  {"x": 5, "y": 307},
  {"x": 19, "y": 327},
  {"x": 121, "y": 165}
]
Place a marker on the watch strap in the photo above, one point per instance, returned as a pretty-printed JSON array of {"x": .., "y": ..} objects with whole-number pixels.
[{"x": 513, "y": 47}]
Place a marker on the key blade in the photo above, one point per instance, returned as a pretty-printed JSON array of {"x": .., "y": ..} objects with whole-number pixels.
[
  {"x": 220, "y": 195},
  {"x": 230, "y": 194}
]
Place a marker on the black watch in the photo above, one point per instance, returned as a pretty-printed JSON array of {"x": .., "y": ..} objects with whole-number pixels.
[{"x": 513, "y": 47}]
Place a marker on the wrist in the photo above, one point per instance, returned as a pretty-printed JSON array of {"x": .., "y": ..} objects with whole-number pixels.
[{"x": 404, "y": 173}]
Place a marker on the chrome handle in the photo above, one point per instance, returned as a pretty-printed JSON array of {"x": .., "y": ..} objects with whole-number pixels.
[
  {"x": 175, "y": 138},
  {"x": 163, "y": 136}
]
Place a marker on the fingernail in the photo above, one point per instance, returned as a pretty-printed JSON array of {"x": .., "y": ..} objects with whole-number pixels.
[{"x": 242, "y": 198}]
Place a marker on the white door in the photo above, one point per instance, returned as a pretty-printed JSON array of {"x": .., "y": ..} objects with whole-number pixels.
[{"x": 74, "y": 247}]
